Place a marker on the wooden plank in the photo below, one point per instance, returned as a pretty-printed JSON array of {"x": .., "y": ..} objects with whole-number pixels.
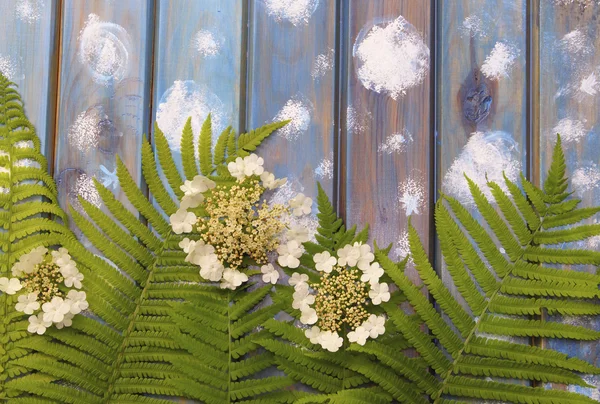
[
  {"x": 387, "y": 119},
  {"x": 103, "y": 94},
  {"x": 570, "y": 105},
  {"x": 197, "y": 65},
  {"x": 482, "y": 108},
  {"x": 290, "y": 76},
  {"x": 27, "y": 54}
]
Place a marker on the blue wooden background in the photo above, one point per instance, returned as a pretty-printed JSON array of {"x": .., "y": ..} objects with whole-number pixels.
[{"x": 390, "y": 100}]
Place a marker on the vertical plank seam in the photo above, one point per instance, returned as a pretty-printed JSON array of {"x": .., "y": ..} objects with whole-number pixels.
[
  {"x": 152, "y": 24},
  {"x": 532, "y": 98},
  {"x": 52, "y": 120},
  {"x": 340, "y": 130},
  {"x": 244, "y": 71},
  {"x": 433, "y": 122}
]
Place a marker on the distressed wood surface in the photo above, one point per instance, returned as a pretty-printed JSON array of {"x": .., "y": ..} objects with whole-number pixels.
[
  {"x": 103, "y": 95},
  {"x": 481, "y": 89},
  {"x": 27, "y": 57},
  {"x": 290, "y": 76},
  {"x": 570, "y": 105},
  {"x": 387, "y": 134},
  {"x": 197, "y": 65}
]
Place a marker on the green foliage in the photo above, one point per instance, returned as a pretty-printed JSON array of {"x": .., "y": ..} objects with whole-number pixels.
[
  {"x": 131, "y": 349},
  {"x": 27, "y": 199},
  {"x": 503, "y": 274},
  {"x": 344, "y": 376},
  {"x": 219, "y": 333}
]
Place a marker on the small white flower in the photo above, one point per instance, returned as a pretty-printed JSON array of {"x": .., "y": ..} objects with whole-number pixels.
[
  {"x": 188, "y": 246},
  {"x": 182, "y": 221},
  {"x": 298, "y": 233},
  {"x": 249, "y": 165},
  {"x": 297, "y": 279},
  {"x": 359, "y": 335},
  {"x": 10, "y": 286},
  {"x": 270, "y": 274},
  {"x": 269, "y": 181},
  {"x": 289, "y": 254},
  {"x": 302, "y": 299},
  {"x": 301, "y": 205},
  {"x": 213, "y": 270},
  {"x": 331, "y": 341},
  {"x": 28, "y": 303},
  {"x": 77, "y": 301},
  {"x": 309, "y": 316},
  {"x": 197, "y": 185},
  {"x": 37, "y": 325},
  {"x": 324, "y": 262},
  {"x": 372, "y": 274},
  {"x": 193, "y": 191},
  {"x": 379, "y": 293},
  {"x": 349, "y": 255},
  {"x": 314, "y": 334},
  {"x": 27, "y": 262},
  {"x": 67, "y": 321},
  {"x": 72, "y": 277},
  {"x": 366, "y": 256},
  {"x": 232, "y": 279},
  {"x": 55, "y": 310},
  {"x": 375, "y": 325},
  {"x": 62, "y": 257}
]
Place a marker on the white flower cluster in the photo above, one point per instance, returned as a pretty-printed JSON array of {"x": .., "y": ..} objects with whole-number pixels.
[
  {"x": 305, "y": 296},
  {"x": 50, "y": 283},
  {"x": 206, "y": 255}
]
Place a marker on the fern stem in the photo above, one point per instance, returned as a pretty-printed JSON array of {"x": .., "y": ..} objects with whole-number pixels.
[
  {"x": 438, "y": 395},
  {"x": 119, "y": 362},
  {"x": 229, "y": 348}
]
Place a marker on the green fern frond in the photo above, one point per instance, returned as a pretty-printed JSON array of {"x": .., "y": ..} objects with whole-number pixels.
[
  {"x": 205, "y": 147},
  {"x": 29, "y": 216},
  {"x": 500, "y": 272},
  {"x": 136, "y": 346}
]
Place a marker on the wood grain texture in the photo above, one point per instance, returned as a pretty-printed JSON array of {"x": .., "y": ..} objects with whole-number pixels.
[
  {"x": 388, "y": 147},
  {"x": 475, "y": 96},
  {"x": 103, "y": 94},
  {"x": 570, "y": 105},
  {"x": 27, "y": 52},
  {"x": 284, "y": 50},
  {"x": 197, "y": 65}
]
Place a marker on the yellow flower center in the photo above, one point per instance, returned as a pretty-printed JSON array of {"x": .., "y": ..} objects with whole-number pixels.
[{"x": 45, "y": 280}]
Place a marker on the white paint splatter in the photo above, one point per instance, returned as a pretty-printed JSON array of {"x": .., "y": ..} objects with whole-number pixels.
[
  {"x": 207, "y": 43},
  {"x": 486, "y": 156},
  {"x": 583, "y": 3},
  {"x": 85, "y": 188},
  {"x": 473, "y": 27},
  {"x": 590, "y": 85},
  {"x": 24, "y": 144},
  {"x": 403, "y": 246},
  {"x": 586, "y": 178},
  {"x": 411, "y": 196},
  {"x": 570, "y": 130},
  {"x": 395, "y": 143},
  {"x": 104, "y": 49},
  {"x": 500, "y": 61},
  {"x": 108, "y": 178},
  {"x": 297, "y": 12},
  {"x": 325, "y": 168},
  {"x": 357, "y": 122},
  {"x": 298, "y": 111},
  {"x": 323, "y": 64},
  {"x": 186, "y": 99},
  {"x": 591, "y": 392},
  {"x": 29, "y": 11},
  {"x": 391, "y": 57},
  {"x": 84, "y": 133},
  {"x": 10, "y": 68},
  {"x": 27, "y": 163},
  {"x": 576, "y": 43}
]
